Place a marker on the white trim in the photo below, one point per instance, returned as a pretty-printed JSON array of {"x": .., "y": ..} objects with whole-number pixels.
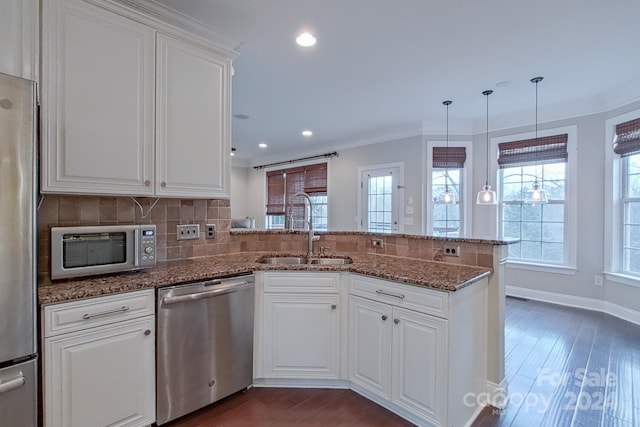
[
  {"x": 624, "y": 279},
  {"x": 400, "y": 193},
  {"x": 571, "y": 196},
  {"x": 301, "y": 383},
  {"x": 467, "y": 185},
  {"x": 607, "y": 307},
  {"x": 546, "y": 268},
  {"x": 498, "y": 394},
  {"x": 612, "y": 201}
]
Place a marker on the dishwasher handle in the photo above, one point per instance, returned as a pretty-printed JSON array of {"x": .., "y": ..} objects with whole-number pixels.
[{"x": 225, "y": 289}]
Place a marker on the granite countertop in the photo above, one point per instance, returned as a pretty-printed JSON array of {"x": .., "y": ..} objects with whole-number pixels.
[{"x": 432, "y": 274}]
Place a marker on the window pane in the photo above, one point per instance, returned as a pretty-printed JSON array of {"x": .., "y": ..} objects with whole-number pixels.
[
  {"x": 531, "y": 250},
  {"x": 552, "y": 252},
  {"x": 553, "y": 232},
  {"x": 633, "y": 189},
  {"x": 541, "y": 227},
  {"x": 446, "y": 218}
]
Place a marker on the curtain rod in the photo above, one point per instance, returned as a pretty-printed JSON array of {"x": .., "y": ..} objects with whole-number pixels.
[{"x": 287, "y": 162}]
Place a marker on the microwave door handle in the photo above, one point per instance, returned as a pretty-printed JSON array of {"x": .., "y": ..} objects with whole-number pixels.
[{"x": 136, "y": 247}]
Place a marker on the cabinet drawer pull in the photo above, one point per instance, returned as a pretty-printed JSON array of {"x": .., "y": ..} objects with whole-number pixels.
[
  {"x": 147, "y": 183},
  {"x": 384, "y": 317},
  {"x": 147, "y": 332},
  {"x": 163, "y": 184},
  {"x": 106, "y": 313},
  {"x": 396, "y": 321},
  {"x": 381, "y": 292},
  {"x": 333, "y": 307}
]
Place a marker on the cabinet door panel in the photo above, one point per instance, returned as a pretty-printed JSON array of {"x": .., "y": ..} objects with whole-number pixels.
[
  {"x": 418, "y": 367},
  {"x": 370, "y": 345},
  {"x": 301, "y": 336},
  {"x": 193, "y": 133},
  {"x": 98, "y": 101},
  {"x": 101, "y": 377}
]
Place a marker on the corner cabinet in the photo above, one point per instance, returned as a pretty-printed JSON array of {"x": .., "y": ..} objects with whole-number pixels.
[
  {"x": 128, "y": 109},
  {"x": 417, "y": 351},
  {"x": 99, "y": 361}
]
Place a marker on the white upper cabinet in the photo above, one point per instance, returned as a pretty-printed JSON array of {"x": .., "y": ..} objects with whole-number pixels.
[
  {"x": 19, "y": 35},
  {"x": 193, "y": 93},
  {"x": 128, "y": 110}
]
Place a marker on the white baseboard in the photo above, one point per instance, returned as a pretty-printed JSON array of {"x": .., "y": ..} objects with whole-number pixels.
[
  {"x": 607, "y": 307},
  {"x": 301, "y": 383},
  {"x": 498, "y": 394}
]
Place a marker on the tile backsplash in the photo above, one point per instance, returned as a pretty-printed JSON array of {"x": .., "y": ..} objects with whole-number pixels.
[{"x": 166, "y": 214}]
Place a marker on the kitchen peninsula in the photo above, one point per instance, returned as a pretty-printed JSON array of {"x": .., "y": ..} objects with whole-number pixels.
[{"x": 458, "y": 303}]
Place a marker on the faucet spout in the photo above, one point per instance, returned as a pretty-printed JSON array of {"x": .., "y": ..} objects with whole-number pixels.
[{"x": 310, "y": 221}]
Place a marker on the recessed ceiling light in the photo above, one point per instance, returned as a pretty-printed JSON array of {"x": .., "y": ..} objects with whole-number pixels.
[
  {"x": 262, "y": 145},
  {"x": 241, "y": 116},
  {"x": 305, "y": 40},
  {"x": 307, "y": 133}
]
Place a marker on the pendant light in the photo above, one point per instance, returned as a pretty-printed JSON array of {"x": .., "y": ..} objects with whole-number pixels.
[
  {"x": 447, "y": 197},
  {"x": 487, "y": 196},
  {"x": 536, "y": 195}
]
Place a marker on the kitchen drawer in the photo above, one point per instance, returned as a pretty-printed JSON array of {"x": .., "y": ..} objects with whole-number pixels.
[
  {"x": 77, "y": 315},
  {"x": 302, "y": 282},
  {"x": 416, "y": 298}
]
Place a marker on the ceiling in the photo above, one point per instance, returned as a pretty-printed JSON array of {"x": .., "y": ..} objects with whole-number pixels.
[{"x": 381, "y": 68}]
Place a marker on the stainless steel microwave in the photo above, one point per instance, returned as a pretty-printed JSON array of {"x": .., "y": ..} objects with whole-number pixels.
[{"x": 86, "y": 251}]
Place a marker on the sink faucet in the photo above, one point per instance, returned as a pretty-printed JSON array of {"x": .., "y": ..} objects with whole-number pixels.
[{"x": 312, "y": 238}]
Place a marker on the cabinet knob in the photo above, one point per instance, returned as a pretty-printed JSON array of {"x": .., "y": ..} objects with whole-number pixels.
[
  {"x": 147, "y": 182},
  {"x": 163, "y": 184},
  {"x": 333, "y": 307},
  {"x": 384, "y": 317},
  {"x": 396, "y": 321},
  {"x": 147, "y": 332}
]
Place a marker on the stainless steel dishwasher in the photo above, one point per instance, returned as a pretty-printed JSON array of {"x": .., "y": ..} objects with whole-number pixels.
[{"x": 204, "y": 345}]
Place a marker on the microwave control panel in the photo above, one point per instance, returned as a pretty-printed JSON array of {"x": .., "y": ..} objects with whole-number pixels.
[{"x": 148, "y": 245}]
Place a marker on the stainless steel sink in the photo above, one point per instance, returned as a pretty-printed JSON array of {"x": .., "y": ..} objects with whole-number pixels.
[
  {"x": 303, "y": 260},
  {"x": 330, "y": 261},
  {"x": 282, "y": 260}
]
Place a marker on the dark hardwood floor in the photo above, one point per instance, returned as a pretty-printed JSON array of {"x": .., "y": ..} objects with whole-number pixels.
[{"x": 565, "y": 367}]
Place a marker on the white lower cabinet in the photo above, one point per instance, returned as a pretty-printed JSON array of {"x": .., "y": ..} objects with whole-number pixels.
[
  {"x": 100, "y": 375},
  {"x": 398, "y": 355},
  {"x": 299, "y": 327},
  {"x": 417, "y": 351}
]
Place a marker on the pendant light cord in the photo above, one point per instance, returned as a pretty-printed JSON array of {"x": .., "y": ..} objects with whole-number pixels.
[
  {"x": 446, "y": 155},
  {"x": 486, "y": 181}
]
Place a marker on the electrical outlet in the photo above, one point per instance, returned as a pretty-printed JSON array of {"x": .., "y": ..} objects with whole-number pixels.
[
  {"x": 188, "y": 231},
  {"x": 211, "y": 231},
  {"x": 377, "y": 243},
  {"x": 597, "y": 280},
  {"x": 451, "y": 250}
]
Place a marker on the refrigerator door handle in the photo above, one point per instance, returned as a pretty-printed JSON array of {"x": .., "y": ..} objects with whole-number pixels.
[{"x": 12, "y": 384}]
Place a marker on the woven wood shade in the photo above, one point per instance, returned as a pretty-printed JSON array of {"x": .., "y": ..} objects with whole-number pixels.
[
  {"x": 627, "y": 139},
  {"x": 282, "y": 184},
  {"x": 451, "y": 157},
  {"x": 535, "y": 151}
]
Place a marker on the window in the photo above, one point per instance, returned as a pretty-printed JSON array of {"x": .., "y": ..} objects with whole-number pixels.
[
  {"x": 379, "y": 200},
  {"x": 541, "y": 228},
  {"x": 447, "y": 173},
  {"x": 627, "y": 145},
  {"x": 444, "y": 169},
  {"x": 284, "y": 212}
]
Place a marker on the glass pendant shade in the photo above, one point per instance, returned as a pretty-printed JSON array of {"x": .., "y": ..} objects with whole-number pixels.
[
  {"x": 448, "y": 197},
  {"x": 536, "y": 195},
  {"x": 486, "y": 196}
]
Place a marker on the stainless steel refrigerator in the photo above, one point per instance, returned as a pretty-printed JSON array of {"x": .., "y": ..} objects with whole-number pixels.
[{"x": 18, "y": 352}]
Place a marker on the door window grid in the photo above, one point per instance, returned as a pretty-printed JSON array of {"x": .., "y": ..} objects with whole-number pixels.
[
  {"x": 631, "y": 214},
  {"x": 379, "y": 194},
  {"x": 540, "y": 228},
  {"x": 447, "y": 218}
]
